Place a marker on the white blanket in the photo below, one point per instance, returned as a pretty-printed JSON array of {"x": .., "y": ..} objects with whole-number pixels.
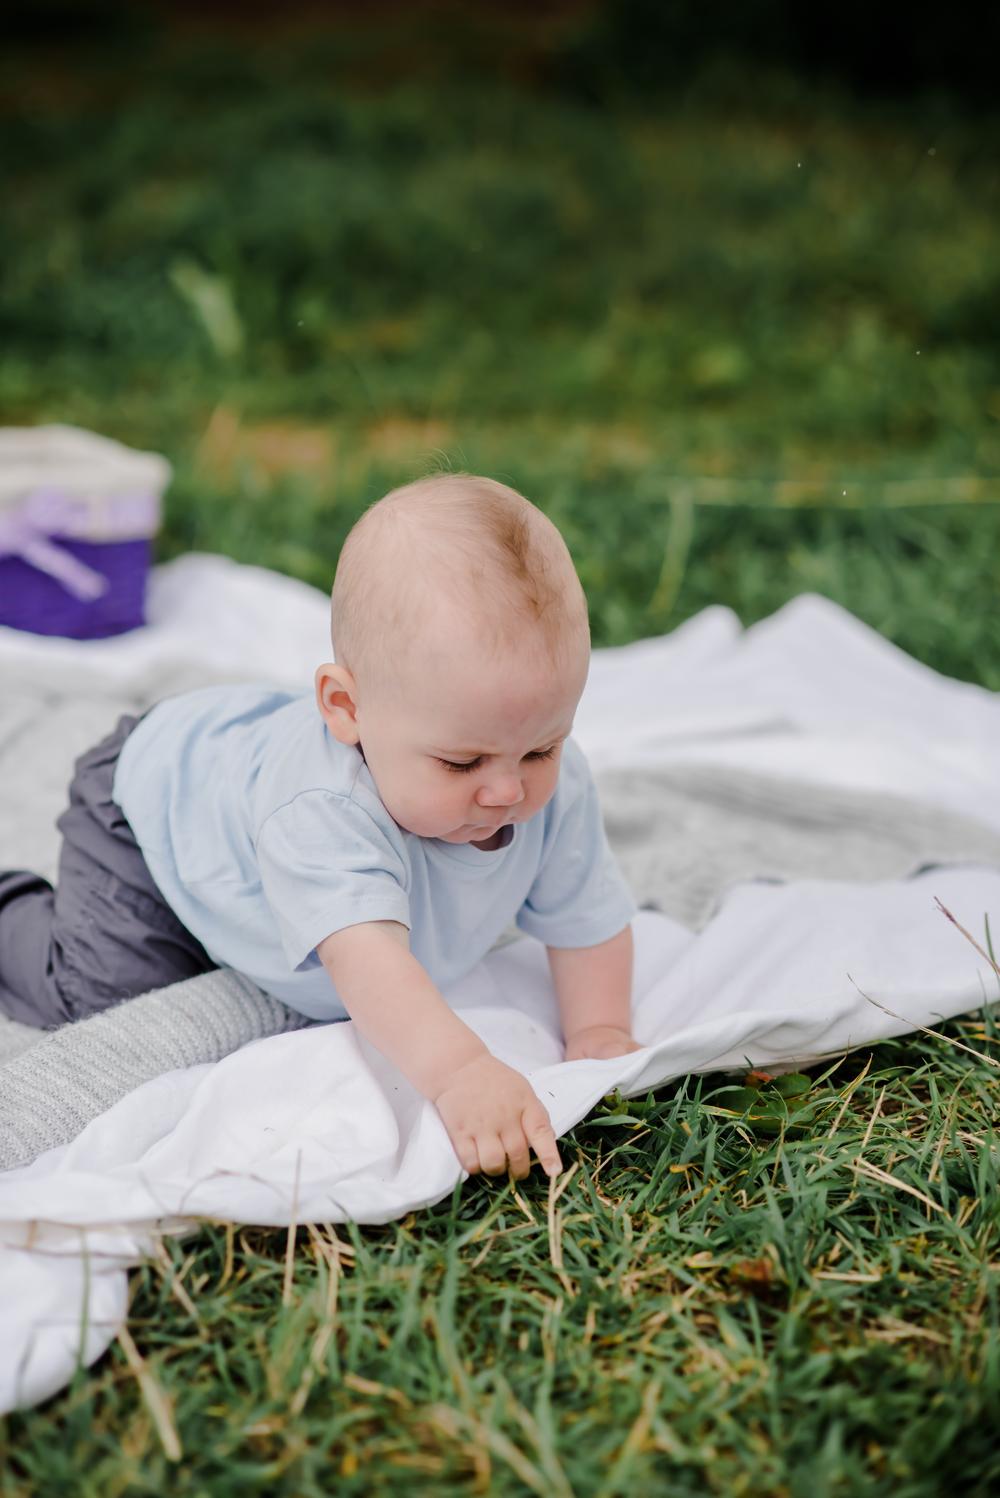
[{"x": 314, "y": 1125}]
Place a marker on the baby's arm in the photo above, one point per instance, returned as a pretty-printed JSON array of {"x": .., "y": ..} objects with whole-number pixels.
[
  {"x": 594, "y": 989},
  {"x": 492, "y": 1115}
]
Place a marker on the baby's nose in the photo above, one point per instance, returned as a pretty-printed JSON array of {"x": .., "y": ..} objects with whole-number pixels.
[{"x": 504, "y": 790}]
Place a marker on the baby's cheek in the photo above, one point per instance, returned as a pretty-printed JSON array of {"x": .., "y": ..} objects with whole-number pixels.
[
  {"x": 452, "y": 794},
  {"x": 547, "y": 789}
]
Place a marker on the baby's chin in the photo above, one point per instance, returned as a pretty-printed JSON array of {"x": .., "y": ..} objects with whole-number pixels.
[
  {"x": 467, "y": 835},
  {"x": 470, "y": 834}
]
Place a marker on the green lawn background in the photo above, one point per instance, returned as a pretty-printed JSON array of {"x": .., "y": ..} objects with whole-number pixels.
[{"x": 751, "y": 326}]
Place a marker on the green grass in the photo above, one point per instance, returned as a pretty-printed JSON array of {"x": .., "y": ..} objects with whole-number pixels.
[
  {"x": 704, "y": 1309},
  {"x": 306, "y": 268},
  {"x": 305, "y": 280}
]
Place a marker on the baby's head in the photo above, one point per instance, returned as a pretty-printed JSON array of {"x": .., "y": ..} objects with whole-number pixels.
[{"x": 462, "y": 645}]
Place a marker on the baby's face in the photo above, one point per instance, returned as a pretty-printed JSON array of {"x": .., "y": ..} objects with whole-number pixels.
[
  {"x": 461, "y": 749},
  {"x": 463, "y": 741}
]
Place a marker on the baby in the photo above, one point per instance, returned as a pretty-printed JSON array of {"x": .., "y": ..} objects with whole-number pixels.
[{"x": 355, "y": 853}]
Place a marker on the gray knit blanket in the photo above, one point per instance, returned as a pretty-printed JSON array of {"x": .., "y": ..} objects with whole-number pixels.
[{"x": 684, "y": 836}]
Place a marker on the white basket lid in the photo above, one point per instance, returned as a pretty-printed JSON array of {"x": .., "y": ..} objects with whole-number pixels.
[{"x": 85, "y": 470}]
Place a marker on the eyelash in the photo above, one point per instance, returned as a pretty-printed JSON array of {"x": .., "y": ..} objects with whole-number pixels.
[{"x": 474, "y": 764}]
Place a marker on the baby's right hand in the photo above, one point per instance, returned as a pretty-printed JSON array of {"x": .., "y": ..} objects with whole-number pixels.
[{"x": 494, "y": 1120}]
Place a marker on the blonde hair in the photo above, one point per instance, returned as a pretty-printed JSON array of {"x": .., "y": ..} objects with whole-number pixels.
[{"x": 455, "y": 535}]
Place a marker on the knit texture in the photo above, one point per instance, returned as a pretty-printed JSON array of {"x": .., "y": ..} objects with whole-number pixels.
[
  {"x": 15, "y": 1038},
  {"x": 51, "y": 1089},
  {"x": 687, "y": 834}
]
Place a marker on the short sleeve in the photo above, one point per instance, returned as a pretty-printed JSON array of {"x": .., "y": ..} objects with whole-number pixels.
[
  {"x": 325, "y": 864},
  {"x": 579, "y": 897}
]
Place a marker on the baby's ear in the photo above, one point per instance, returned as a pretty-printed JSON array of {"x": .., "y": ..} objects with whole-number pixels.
[{"x": 336, "y": 698}]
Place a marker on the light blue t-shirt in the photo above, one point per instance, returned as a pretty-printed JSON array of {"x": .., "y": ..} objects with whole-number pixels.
[{"x": 265, "y": 834}]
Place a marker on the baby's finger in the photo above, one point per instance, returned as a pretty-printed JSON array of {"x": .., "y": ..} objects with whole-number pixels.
[
  {"x": 542, "y": 1138},
  {"x": 518, "y": 1153},
  {"x": 465, "y": 1148},
  {"x": 492, "y": 1155}
]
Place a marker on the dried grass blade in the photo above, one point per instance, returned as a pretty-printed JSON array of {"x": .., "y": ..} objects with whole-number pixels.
[
  {"x": 877, "y": 1174},
  {"x": 156, "y": 1401},
  {"x": 968, "y": 936}
]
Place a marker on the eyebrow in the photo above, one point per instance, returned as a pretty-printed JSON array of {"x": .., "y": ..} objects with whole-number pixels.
[{"x": 486, "y": 753}]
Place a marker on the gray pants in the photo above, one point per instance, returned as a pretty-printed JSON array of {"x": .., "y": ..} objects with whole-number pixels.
[{"x": 105, "y": 933}]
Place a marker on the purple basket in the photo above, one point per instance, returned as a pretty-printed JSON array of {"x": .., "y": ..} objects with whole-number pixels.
[
  {"x": 77, "y": 517},
  {"x": 32, "y": 600}
]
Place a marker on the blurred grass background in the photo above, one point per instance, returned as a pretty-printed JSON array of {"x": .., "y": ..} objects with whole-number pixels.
[{"x": 731, "y": 314}]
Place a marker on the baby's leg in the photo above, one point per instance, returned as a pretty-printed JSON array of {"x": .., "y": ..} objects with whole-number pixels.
[
  {"x": 26, "y": 910},
  {"x": 105, "y": 933}
]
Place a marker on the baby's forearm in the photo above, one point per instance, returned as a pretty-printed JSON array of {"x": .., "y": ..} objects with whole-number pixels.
[
  {"x": 396, "y": 1005},
  {"x": 493, "y": 1117},
  {"x": 594, "y": 985}
]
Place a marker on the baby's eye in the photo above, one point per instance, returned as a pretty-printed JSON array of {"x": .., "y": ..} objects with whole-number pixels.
[{"x": 462, "y": 768}]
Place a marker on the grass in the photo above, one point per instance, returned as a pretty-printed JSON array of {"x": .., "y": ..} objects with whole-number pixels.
[
  {"x": 740, "y": 342},
  {"x": 700, "y": 1309},
  {"x": 757, "y": 306}
]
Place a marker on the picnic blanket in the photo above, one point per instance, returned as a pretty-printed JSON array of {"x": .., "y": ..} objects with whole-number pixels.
[{"x": 787, "y": 800}]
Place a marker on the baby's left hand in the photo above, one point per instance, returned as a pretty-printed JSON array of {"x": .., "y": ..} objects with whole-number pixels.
[{"x": 599, "y": 1042}]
